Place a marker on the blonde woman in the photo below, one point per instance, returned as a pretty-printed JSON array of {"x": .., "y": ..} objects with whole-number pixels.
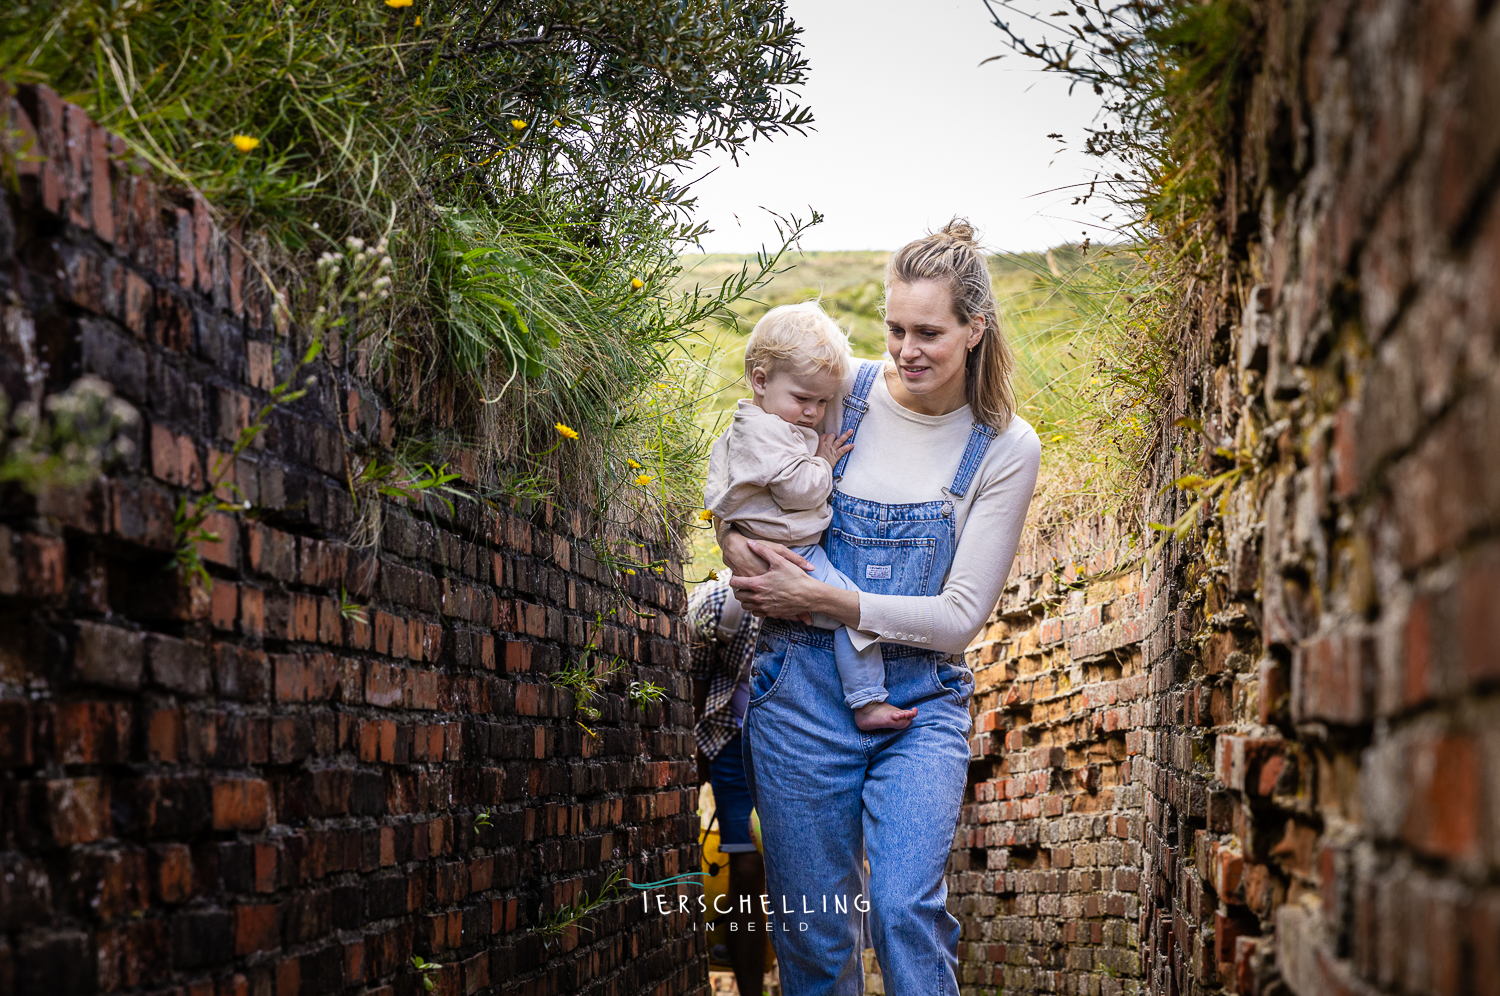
[{"x": 927, "y": 512}]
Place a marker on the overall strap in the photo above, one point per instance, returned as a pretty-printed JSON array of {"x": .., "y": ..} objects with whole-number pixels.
[
  {"x": 855, "y": 406},
  {"x": 979, "y": 442}
]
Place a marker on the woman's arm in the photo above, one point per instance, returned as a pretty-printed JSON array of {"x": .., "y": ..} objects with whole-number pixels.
[
  {"x": 735, "y": 549},
  {"x": 784, "y": 590},
  {"x": 948, "y": 621}
]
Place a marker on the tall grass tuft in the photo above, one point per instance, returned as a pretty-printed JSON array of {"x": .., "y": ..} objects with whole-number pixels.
[{"x": 521, "y": 159}]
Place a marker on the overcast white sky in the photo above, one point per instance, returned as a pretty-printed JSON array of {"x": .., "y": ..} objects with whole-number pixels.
[{"x": 911, "y": 130}]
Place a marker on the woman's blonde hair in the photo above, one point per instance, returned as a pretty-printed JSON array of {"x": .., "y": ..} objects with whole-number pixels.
[
  {"x": 800, "y": 337},
  {"x": 953, "y": 256}
]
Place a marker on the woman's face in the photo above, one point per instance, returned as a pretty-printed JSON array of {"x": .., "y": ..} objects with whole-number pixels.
[{"x": 928, "y": 342}]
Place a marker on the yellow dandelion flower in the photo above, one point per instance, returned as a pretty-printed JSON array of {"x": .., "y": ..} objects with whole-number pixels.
[
  {"x": 630, "y": 571},
  {"x": 398, "y": 3},
  {"x": 712, "y": 576},
  {"x": 515, "y": 123},
  {"x": 704, "y": 515},
  {"x": 565, "y": 432},
  {"x": 245, "y": 143},
  {"x": 637, "y": 283},
  {"x": 633, "y": 464},
  {"x": 644, "y": 479},
  {"x": 418, "y": 21}
]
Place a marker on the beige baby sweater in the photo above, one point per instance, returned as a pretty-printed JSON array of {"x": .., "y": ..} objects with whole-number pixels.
[{"x": 764, "y": 477}]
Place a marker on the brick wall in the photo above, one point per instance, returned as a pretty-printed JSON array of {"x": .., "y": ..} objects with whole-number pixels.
[
  {"x": 239, "y": 791},
  {"x": 1305, "y": 770},
  {"x": 1321, "y": 757},
  {"x": 1047, "y": 861}
]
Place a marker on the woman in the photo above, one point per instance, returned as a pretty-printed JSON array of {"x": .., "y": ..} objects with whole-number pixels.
[{"x": 927, "y": 512}]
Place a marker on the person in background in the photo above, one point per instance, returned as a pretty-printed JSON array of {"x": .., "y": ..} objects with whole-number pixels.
[{"x": 724, "y": 638}]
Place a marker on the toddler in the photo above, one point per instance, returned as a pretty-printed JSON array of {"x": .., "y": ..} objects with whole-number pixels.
[{"x": 771, "y": 474}]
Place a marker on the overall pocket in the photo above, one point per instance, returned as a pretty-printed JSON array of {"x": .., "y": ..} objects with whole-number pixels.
[
  {"x": 955, "y": 679},
  {"x": 884, "y": 566},
  {"x": 767, "y": 667}
]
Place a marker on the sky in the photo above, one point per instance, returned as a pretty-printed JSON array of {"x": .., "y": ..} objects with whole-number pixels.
[{"x": 911, "y": 130}]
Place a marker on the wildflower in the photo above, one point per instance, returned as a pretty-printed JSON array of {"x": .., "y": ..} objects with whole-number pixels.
[
  {"x": 712, "y": 576},
  {"x": 704, "y": 515},
  {"x": 566, "y": 432},
  {"x": 660, "y": 570},
  {"x": 630, "y": 571},
  {"x": 515, "y": 123},
  {"x": 398, "y": 3},
  {"x": 637, "y": 283},
  {"x": 643, "y": 479},
  {"x": 633, "y": 464},
  {"x": 418, "y": 21},
  {"x": 245, "y": 143}
]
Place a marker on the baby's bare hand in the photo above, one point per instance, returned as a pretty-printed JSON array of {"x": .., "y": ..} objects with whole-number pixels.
[{"x": 830, "y": 448}]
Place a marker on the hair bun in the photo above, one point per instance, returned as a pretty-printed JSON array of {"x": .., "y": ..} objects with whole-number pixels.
[{"x": 960, "y": 229}]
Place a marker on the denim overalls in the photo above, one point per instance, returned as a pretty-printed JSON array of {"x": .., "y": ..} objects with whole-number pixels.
[{"x": 829, "y": 795}]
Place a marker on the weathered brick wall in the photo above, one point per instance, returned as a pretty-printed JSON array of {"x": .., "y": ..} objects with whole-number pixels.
[
  {"x": 240, "y": 791},
  {"x": 1322, "y": 761},
  {"x": 1046, "y": 864}
]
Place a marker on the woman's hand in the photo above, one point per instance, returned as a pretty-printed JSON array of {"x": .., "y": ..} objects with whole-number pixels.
[
  {"x": 743, "y": 561},
  {"x": 783, "y": 590},
  {"x": 831, "y": 446}
]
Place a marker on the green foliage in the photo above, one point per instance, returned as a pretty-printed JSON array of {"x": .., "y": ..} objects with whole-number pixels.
[
  {"x": 644, "y": 693},
  {"x": 571, "y": 916},
  {"x": 1172, "y": 75},
  {"x": 586, "y": 678},
  {"x": 68, "y": 441},
  {"x": 521, "y": 158},
  {"x": 426, "y": 969}
]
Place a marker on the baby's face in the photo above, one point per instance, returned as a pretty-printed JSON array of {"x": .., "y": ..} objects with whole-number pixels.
[{"x": 799, "y": 398}]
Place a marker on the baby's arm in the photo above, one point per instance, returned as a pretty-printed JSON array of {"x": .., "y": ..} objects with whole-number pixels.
[{"x": 803, "y": 482}]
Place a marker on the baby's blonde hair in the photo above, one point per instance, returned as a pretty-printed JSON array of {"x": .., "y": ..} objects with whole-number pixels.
[{"x": 798, "y": 337}]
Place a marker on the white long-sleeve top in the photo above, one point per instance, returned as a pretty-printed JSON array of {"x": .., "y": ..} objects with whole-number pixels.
[
  {"x": 901, "y": 456},
  {"x": 765, "y": 477}
]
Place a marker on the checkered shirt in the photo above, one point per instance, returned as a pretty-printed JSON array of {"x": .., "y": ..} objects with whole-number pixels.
[{"x": 718, "y": 662}]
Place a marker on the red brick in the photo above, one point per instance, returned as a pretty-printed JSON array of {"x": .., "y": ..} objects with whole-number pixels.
[
  {"x": 252, "y": 611},
  {"x": 1333, "y": 679},
  {"x": 224, "y": 551},
  {"x": 259, "y": 371},
  {"x": 92, "y": 732},
  {"x": 224, "y": 605},
  {"x": 241, "y": 804},
  {"x": 1245, "y": 763},
  {"x": 174, "y": 458},
  {"x": 517, "y": 657},
  {"x": 257, "y": 928},
  {"x": 1443, "y": 815},
  {"x": 1479, "y": 616},
  {"x": 164, "y": 735},
  {"x": 174, "y": 873}
]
